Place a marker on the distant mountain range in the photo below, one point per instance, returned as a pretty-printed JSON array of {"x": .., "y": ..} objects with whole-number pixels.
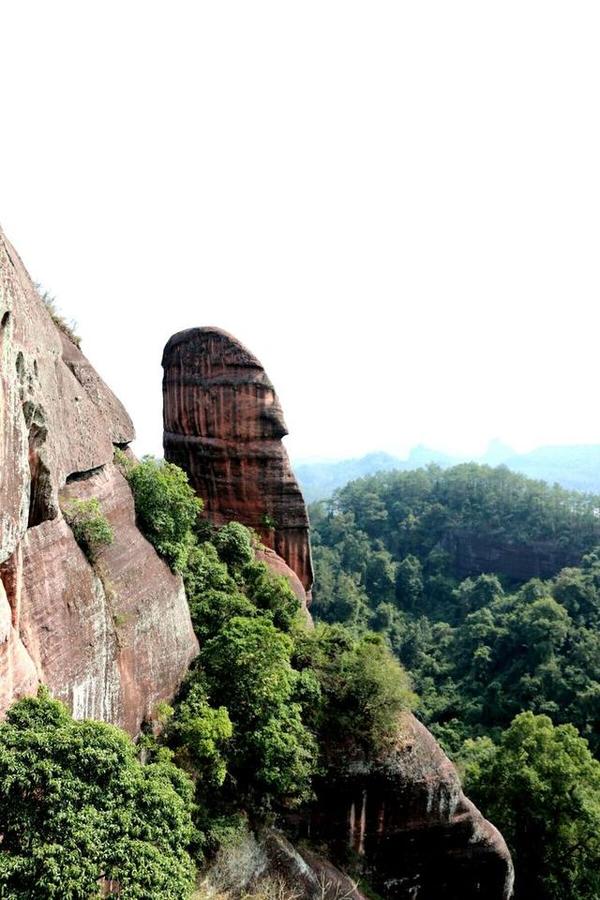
[{"x": 576, "y": 466}]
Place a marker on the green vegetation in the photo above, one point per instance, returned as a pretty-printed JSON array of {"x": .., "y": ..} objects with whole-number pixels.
[
  {"x": 247, "y": 666},
  {"x": 541, "y": 786},
  {"x": 494, "y": 662},
  {"x": 80, "y": 816},
  {"x": 371, "y": 526},
  {"x": 259, "y": 704},
  {"x": 67, "y": 328},
  {"x": 359, "y": 692},
  {"x": 166, "y": 508},
  {"x": 482, "y": 650},
  {"x": 535, "y": 649},
  {"x": 89, "y": 526}
]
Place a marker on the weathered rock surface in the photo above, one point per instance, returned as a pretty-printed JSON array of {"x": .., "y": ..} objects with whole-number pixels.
[
  {"x": 110, "y": 639},
  {"x": 223, "y": 424},
  {"x": 405, "y": 816},
  {"x": 472, "y": 553},
  {"x": 18, "y": 674},
  {"x": 265, "y": 864},
  {"x": 408, "y": 819}
]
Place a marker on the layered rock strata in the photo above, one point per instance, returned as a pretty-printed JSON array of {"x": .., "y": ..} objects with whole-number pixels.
[
  {"x": 224, "y": 425},
  {"x": 405, "y": 817},
  {"x": 112, "y": 638}
]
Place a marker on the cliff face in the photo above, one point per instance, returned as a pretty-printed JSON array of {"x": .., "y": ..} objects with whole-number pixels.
[
  {"x": 473, "y": 553},
  {"x": 223, "y": 424},
  {"x": 416, "y": 833},
  {"x": 110, "y": 639},
  {"x": 405, "y": 816}
]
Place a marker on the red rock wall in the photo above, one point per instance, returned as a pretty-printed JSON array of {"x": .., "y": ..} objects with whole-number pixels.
[
  {"x": 407, "y": 818},
  {"x": 110, "y": 639},
  {"x": 223, "y": 424},
  {"x": 18, "y": 674}
]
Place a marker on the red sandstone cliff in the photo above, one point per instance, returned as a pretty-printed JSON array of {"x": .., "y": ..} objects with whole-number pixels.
[
  {"x": 223, "y": 425},
  {"x": 113, "y": 639},
  {"x": 407, "y": 818},
  {"x": 406, "y": 815}
]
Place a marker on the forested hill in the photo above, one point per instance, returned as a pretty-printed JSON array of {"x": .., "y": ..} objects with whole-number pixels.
[
  {"x": 506, "y": 669},
  {"x": 575, "y": 467},
  {"x": 460, "y": 521}
]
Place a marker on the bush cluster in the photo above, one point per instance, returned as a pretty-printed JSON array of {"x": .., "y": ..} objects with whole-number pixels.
[
  {"x": 284, "y": 694},
  {"x": 90, "y": 527},
  {"x": 81, "y": 817}
]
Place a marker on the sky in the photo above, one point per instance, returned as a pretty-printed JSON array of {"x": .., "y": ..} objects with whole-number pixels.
[{"x": 394, "y": 205}]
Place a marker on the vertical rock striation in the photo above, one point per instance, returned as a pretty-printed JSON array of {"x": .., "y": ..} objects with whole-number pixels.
[
  {"x": 404, "y": 816},
  {"x": 407, "y": 819},
  {"x": 223, "y": 424},
  {"x": 113, "y": 638}
]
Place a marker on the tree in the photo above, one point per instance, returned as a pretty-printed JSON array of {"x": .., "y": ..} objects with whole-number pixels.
[
  {"x": 81, "y": 817},
  {"x": 380, "y": 577},
  {"x": 409, "y": 583},
  {"x": 199, "y": 734},
  {"x": 476, "y": 593},
  {"x": 363, "y": 689},
  {"x": 90, "y": 528},
  {"x": 247, "y": 669},
  {"x": 166, "y": 508},
  {"x": 541, "y": 786},
  {"x": 234, "y": 545},
  {"x": 271, "y": 594}
]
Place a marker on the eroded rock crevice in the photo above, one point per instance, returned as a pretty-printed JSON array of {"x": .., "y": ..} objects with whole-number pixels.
[
  {"x": 41, "y": 495},
  {"x": 84, "y": 475}
]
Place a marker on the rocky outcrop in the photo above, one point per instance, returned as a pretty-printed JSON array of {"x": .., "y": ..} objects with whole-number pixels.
[
  {"x": 265, "y": 865},
  {"x": 223, "y": 424},
  {"x": 473, "y": 553},
  {"x": 405, "y": 817},
  {"x": 110, "y": 638},
  {"x": 408, "y": 820}
]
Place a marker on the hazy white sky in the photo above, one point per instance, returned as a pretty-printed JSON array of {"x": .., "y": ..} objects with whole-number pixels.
[{"x": 395, "y": 205}]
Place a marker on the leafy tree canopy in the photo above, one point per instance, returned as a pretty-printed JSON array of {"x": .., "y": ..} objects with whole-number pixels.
[
  {"x": 81, "y": 817},
  {"x": 541, "y": 786},
  {"x": 166, "y": 508}
]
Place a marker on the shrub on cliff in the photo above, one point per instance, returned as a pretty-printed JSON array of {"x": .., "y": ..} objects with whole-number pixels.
[
  {"x": 199, "y": 735},
  {"x": 234, "y": 545},
  {"x": 90, "y": 528},
  {"x": 271, "y": 594},
  {"x": 67, "y": 328},
  {"x": 81, "y": 817},
  {"x": 541, "y": 786},
  {"x": 363, "y": 689},
  {"x": 272, "y": 754},
  {"x": 166, "y": 508}
]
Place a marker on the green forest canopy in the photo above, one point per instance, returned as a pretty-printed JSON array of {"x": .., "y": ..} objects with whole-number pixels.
[{"x": 494, "y": 662}]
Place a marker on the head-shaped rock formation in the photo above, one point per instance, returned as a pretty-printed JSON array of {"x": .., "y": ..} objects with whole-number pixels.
[{"x": 223, "y": 425}]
